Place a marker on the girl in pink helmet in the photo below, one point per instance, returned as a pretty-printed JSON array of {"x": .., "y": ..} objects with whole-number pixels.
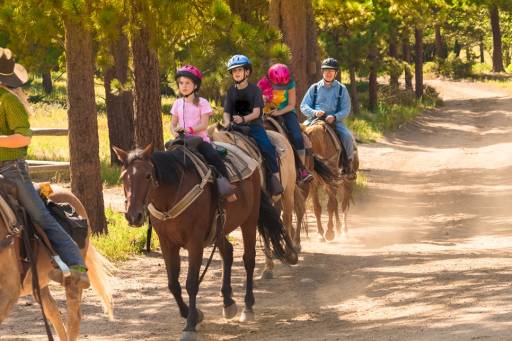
[
  {"x": 190, "y": 114},
  {"x": 278, "y": 89}
]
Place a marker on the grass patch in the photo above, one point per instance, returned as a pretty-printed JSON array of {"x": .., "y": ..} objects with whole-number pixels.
[{"x": 122, "y": 241}]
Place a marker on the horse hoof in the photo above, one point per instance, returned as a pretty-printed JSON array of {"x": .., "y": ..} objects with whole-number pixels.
[
  {"x": 329, "y": 235},
  {"x": 188, "y": 336},
  {"x": 267, "y": 274},
  {"x": 247, "y": 315},
  {"x": 230, "y": 311},
  {"x": 200, "y": 316},
  {"x": 291, "y": 257},
  {"x": 321, "y": 239},
  {"x": 298, "y": 248}
]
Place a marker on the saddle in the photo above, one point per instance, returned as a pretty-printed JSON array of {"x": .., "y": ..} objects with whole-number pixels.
[
  {"x": 19, "y": 225},
  {"x": 338, "y": 145}
]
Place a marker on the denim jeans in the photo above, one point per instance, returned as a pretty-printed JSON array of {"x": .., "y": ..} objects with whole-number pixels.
[
  {"x": 293, "y": 127},
  {"x": 63, "y": 244},
  {"x": 268, "y": 150}
]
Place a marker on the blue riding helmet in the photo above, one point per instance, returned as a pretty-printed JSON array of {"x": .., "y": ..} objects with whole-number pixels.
[{"x": 239, "y": 60}]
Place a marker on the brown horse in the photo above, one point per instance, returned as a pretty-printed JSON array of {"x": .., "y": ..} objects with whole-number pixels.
[
  {"x": 161, "y": 180},
  {"x": 323, "y": 146},
  {"x": 11, "y": 288},
  {"x": 313, "y": 164},
  {"x": 286, "y": 201}
]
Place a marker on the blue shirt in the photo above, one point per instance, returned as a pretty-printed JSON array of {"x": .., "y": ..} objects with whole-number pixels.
[{"x": 326, "y": 100}]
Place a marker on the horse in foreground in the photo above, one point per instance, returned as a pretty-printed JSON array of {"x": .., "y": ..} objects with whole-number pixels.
[
  {"x": 162, "y": 182},
  {"x": 11, "y": 288}
]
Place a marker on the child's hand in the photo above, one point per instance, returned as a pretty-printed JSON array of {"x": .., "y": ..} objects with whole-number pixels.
[
  {"x": 319, "y": 113},
  {"x": 179, "y": 130},
  {"x": 330, "y": 119},
  {"x": 238, "y": 119}
]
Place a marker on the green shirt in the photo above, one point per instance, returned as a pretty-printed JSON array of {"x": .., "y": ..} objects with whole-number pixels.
[{"x": 13, "y": 120}]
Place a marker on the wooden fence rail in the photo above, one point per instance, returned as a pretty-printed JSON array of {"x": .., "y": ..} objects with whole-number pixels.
[{"x": 39, "y": 166}]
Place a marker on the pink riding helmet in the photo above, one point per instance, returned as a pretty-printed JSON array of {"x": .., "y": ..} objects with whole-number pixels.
[
  {"x": 279, "y": 74},
  {"x": 190, "y": 71}
]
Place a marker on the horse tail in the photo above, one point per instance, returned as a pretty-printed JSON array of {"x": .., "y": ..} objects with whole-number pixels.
[
  {"x": 274, "y": 233},
  {"x": 321, "y": 169},
  {"x": 99, "y": 271}
]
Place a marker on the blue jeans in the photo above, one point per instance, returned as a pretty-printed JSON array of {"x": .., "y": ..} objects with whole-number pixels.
[
  {"x": 293, "y": 127},
  {"x": 268, "y": 150},
  {"x": 343, "y": 133},
  {"x": 63, "y": 244}
]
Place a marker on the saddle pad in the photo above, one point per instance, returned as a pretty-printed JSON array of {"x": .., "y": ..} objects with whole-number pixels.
[{"x": 239, "y": 164}]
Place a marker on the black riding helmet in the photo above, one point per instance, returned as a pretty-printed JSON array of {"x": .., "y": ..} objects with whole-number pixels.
[{"x": 330, "y": 63}]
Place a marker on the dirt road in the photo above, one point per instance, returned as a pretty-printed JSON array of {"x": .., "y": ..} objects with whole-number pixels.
[{"x": 428, "y": 256}]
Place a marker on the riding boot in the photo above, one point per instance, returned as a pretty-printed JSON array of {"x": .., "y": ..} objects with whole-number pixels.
[
  {"x": 78, "y": 276},
  {"x": 226, "y": 190},
  {"x": 348, "y": 171},
  {"x": 303, "y": 174},
  {"x": 275, "y": 185}
]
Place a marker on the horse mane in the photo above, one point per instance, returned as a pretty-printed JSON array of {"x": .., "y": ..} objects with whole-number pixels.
[{"x": 169, "y": 165}]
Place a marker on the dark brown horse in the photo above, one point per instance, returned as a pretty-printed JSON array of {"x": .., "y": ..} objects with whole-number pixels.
[{"x": 162, "y": 179}]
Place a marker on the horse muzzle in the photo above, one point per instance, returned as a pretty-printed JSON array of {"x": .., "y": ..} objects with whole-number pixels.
[{"x": 135, "y": 219}]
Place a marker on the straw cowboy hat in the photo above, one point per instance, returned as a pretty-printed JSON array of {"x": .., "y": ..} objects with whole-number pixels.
[{"x": 11, "y": 74}]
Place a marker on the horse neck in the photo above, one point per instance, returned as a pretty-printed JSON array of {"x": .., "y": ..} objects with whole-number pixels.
[{"x": 164, "y": 196}]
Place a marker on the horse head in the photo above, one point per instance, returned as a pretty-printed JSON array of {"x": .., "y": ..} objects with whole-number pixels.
[{"x": 138, "y": 175}]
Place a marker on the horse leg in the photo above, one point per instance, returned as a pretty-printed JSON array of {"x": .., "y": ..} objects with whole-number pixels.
[
  {"x": 332, "y": 208},
  {"x": 9, "y": 291},
  {"x": 268, "y": 271},
  {"x": 195, "y": 257},
  {"x": 171, "y": 254},
  {"x": 288, "y": 203},
  {"x": 226, "y": 252},
  {"x": 73, "y": 300},
  {"x": 318, "y": 213},
  {"x": 249, "y": 237},
  {"x": 52, "y": 313}
]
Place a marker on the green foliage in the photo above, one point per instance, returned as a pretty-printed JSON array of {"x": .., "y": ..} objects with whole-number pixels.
[
  {"x": 454, "y": 67},
  {"x": 509, "y": 68},
  {"x": 122, "y": 241},
  {"x": 479, "y": 68}
]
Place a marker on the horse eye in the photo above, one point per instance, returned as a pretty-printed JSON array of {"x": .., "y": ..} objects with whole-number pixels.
[{"x": 148, "y": 176}]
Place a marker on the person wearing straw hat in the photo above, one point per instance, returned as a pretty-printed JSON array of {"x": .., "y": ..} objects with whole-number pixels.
[{"x": 15, "y": 136}]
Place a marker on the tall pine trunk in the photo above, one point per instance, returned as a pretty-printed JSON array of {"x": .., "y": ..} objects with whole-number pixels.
[
  {"x": 353, "y": 90},
  {"x": 406, "y": 55},
  {"x": 47, "y": 82},
  {"x": 418, "y": 61},
  {"x": 120, "y": 103},
  {"x": 497, "y": 54},
  {"x": 147, "y": 103},
  {"x": 86, "y": 181},
  {"x": 372, "y": 79},
  {"x": 482, "y": 52},
  {"x": 439, "y": 43},
  {"x": 288, "y": 16},
  {"x": 393, "y": 52}
]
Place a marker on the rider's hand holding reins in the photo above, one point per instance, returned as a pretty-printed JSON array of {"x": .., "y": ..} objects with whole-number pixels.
[
  {"x": 319, "y": 113},
  {"x": 238, "y": 119},
  {"x": 330, "y": 119}
]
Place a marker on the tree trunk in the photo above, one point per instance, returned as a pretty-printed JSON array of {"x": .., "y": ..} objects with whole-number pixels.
[
  {"x": 353, "y": 90},
  {"x": 119, "y": 104},
  {"x": 482, "y": 52},
  {"x": 372, "y": 79},
  {"x": 147, "y": 104},
  {"x": 393, "y": 52},
  {"x": 457, "y": 48},
  {"x": 288, "y": 16},
  {"x": 83, "y": 122},
  {"x": 469, "y": 54},
  {"x": 406, "y": 51},
  {"x": 440, "y": 50},
  {"x": 418, "y": 63},
  {"x": 47, "y": 82},
  {"x": 497, "y": 55}
]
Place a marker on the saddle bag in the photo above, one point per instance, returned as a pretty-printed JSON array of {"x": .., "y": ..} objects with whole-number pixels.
[{"x": 70, "y": 220}]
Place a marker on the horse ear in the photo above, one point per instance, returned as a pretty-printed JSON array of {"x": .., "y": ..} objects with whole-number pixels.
[
  {"x": 121, "y": 154},
  {"x": 148, "y": 151}
]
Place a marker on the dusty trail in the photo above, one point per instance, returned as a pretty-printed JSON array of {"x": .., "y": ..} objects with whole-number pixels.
[{"x": 428, "y": 256}]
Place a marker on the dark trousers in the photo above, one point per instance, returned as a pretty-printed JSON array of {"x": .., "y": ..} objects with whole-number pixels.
[
  {"x": 268, "y": 150},
  {"x": 212, "y": 157},
  {"x": 294, "y": 132}
]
